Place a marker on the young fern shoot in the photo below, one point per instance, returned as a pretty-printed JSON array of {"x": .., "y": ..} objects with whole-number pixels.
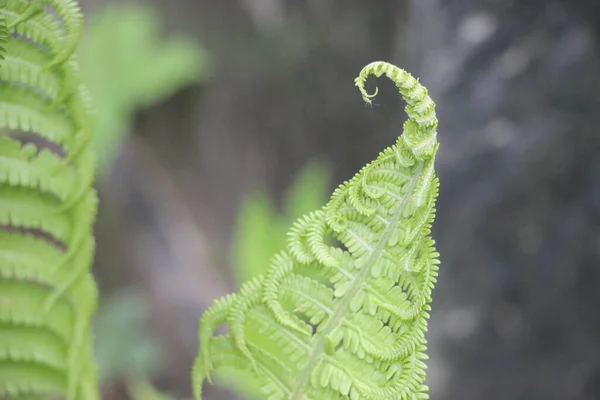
[{"x": 342, "y": 312}]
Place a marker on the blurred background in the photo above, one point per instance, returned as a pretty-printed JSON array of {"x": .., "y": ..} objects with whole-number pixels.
[{"x": 220, "y": 122}]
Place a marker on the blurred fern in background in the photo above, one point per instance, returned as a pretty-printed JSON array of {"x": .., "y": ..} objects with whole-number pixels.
[
  {"x": 123, "y": 345},
  {"x": 142, "y": 389},
  {"x": 261, "y": 230},
  {"x": 127, "y": 65}
]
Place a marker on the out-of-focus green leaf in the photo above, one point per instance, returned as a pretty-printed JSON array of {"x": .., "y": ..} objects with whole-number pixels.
[
  {"x": 309, "y": 192},
  {"x": 123, "y": 345},
  {"x": 127, "y": 65},
  {"x": 261, "y": 230},
  {"x": 140, "y": 388},
  {"x": 257, "y": 237}
]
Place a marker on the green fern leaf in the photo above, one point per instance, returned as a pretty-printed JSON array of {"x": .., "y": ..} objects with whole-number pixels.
[
  {"x": 47, "y": 206},
  {"x": 342, "y": 312},
  {"x": 3, "y": 36}
]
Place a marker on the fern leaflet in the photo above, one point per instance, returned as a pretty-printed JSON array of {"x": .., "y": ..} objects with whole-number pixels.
[
  {"x": 47, "y": 206},
  {"x": 342, "y": 312}
]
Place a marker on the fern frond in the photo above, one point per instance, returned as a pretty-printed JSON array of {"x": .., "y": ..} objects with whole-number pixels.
[
  {"x": 47, "y": 206},
  {"x": 3, "y": 36},
  {"x": 342, "y": 311}
]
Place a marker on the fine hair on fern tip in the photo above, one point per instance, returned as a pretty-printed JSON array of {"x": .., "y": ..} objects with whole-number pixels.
[{"x": 342, "y": 311}]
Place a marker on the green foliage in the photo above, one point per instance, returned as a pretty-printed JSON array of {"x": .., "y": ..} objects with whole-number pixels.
[
  {"x": 3, "y": 36},
  {"x": 127, "y": 66},
  {"x": 123, "y": 344},
  {"x": 341, "y": 313},
  {"x": 125, "y": 348},
  {"x": 142, "y": 389},
  {"x": 48, "y": 206},
  {"x": 260, "y": 229}
]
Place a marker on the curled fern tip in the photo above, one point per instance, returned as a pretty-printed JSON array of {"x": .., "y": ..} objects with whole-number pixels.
[{"x": 342, "y": 311}]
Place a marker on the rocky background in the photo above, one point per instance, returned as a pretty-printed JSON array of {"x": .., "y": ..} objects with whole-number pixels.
[{"x": 517, "y": 83}]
